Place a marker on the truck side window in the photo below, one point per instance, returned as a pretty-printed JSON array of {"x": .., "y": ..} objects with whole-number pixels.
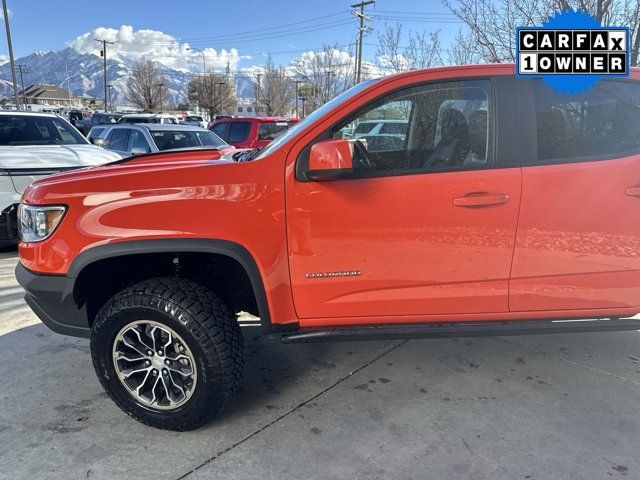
[
  {"x": 601, "y": 123},
  {"x": 431, "y": 127},
  {"x": 238, "y": 131}
]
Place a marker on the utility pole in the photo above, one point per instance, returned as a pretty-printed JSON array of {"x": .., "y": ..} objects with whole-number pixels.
[
  {"x": 303, "y": 100},
  {"x": 361, "y": 29},
  {"x": 257, "y": 96},
  {"x": 110, "y": 97},
  {"x": 297, "y": 82},
  {"x": 23, "y": 69},
  {"x": 221, "y": 97},
  {"x": 103, "y": 54},
  {"x": 328, "y": 85},
  {"x": 160, "y": 85},
  {"x": 10, "y": 47}
]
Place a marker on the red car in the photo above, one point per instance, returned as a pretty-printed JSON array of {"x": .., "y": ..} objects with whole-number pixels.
[
  {"x": 495, "y": 206},
  {"x": 251, "y": 132}
]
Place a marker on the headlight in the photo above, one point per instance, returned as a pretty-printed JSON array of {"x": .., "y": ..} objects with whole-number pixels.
[{"x": 38, "y": 222}]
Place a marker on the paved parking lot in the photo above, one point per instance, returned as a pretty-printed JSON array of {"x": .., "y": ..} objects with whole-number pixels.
[{"x": 537, "y": 407}]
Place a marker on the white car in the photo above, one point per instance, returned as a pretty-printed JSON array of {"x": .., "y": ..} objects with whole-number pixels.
[
  {"x": 195, "y": 120},
  {"x": 32, "y": 146}
]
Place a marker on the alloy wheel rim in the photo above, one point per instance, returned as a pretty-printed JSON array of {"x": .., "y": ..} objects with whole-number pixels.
[{"x": 154, "y": 364}]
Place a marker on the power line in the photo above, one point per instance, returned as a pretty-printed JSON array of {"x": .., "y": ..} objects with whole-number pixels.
[
  {"x": 259, "y": 37},
  {"x": 267, "y": 29}
]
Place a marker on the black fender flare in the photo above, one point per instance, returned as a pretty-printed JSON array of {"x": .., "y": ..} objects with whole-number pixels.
[{"x": 178, "y": 245}]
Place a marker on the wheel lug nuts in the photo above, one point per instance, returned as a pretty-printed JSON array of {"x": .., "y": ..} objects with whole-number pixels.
[
  {"x": 149, "y": 352},
  {"x": 167, "y": 362},
  {"x": 160, "y": 352},
  {"x": 155, "y": 372},
  {"x": 164, "y": 372},
  {"x": 147, "y": 363}
]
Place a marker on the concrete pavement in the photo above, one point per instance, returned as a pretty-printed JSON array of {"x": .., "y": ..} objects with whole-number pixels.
[{"x": 537, "y": 407}]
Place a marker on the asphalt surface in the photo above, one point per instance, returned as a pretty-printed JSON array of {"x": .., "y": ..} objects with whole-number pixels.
[{"x": 537, "y": 407}]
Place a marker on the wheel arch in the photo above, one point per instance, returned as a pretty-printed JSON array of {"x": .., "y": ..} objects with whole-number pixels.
[{"x": 224, "y": 248}]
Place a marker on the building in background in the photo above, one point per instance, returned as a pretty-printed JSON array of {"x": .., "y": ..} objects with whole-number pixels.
[
  {"x": 46, "y": 96},
  {"x": 246, "y": 107}
]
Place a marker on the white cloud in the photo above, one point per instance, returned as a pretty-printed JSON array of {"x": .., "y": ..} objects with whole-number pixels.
[{"x": 133, "y": 44}]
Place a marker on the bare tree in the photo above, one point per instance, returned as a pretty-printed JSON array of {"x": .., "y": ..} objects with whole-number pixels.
[
  {"x": 491, "y": 24},
  {"x": 461, "y": 52},
  {"x": 215, "y": 93},
  {"x": 422, "y": 51},
  {"x": 145, "y": 87},
  {"x": 275, "y": 89},
  {"x": 324, "y": 74}
]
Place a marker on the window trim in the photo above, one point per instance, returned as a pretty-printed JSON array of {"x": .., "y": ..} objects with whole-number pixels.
[
  {"x": 302, "y": 160},
  {"x": 526, "y": 90}
]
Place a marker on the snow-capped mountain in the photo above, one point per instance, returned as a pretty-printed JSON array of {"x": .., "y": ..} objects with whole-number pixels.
[{"x": 82, "y": 74}]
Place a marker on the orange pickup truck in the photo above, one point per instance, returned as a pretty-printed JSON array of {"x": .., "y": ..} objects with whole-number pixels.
[{"x": 495, "y": 206}]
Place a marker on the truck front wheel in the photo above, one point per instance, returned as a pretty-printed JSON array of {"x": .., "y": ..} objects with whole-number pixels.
[{"x": 169, "y": 352}]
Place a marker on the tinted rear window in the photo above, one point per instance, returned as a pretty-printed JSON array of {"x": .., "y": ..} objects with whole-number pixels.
[
  {"x": 269, "y": 131},
  {"x": 140, "y": 120},
  {"x": 169, "y": 140},
  {"x": 603, "y": 122},
  {"x": 238, "y": 131}
]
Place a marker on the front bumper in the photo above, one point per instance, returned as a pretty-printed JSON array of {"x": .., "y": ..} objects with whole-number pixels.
[{"x": 51, "y": 299}]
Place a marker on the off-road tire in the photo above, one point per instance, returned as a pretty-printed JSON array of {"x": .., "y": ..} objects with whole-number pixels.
[{"x": 206, "y": 324}]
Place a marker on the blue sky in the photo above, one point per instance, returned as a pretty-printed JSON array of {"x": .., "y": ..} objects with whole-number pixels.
[{"x": 240, "y": 24}]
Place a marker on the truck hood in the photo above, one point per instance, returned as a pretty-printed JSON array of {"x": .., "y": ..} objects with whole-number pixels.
[
  {"x": 53, "y": 156},
  {"x": 143, "y": 165}
]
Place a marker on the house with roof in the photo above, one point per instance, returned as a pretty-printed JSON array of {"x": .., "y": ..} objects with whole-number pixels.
[{"x": 48, "y": 95}]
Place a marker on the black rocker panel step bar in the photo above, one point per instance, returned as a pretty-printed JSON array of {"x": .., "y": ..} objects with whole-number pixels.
[{"x": 452, "y": 330}]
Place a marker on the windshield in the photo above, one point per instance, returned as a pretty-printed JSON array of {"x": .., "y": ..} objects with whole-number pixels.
[
  {"x": 169, "y": 140},
  {"x": 313, "y": 116},
  {"x": 36, "y": 130}
]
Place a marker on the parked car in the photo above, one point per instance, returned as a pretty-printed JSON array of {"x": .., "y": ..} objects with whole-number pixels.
[
  {"x": 251, "y": 132},
  {"x": 195, "y": 120},
  {"x": 138, "y": 139},
  {"x": 97, "y": 119},
  {"x": 32, "y": 146},
  {"x": 148, "y": 118},
  {"x": 381, "y": 134},
  {"x": 75, "y": 115},
  {"x": 509, "y": 209},
  {"x": 98, "y": 134}
]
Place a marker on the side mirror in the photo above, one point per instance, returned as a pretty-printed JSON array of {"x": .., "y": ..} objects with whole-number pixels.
[
  {"x": 330, "y": 160},
  {"x": 100, "y": 142},
  {"x": 138, "y": 151}
]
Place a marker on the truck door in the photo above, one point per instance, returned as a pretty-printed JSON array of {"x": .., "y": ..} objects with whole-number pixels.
[
  {"x": 578, "y": 241},
  {"x": 428, "y": 226}
]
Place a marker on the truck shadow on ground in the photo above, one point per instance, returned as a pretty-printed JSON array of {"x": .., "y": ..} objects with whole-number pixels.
[{"x": 278, "y": 378}]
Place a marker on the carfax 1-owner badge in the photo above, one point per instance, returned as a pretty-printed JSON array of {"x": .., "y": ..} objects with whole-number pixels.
[{"x": 572, "y": 52}]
